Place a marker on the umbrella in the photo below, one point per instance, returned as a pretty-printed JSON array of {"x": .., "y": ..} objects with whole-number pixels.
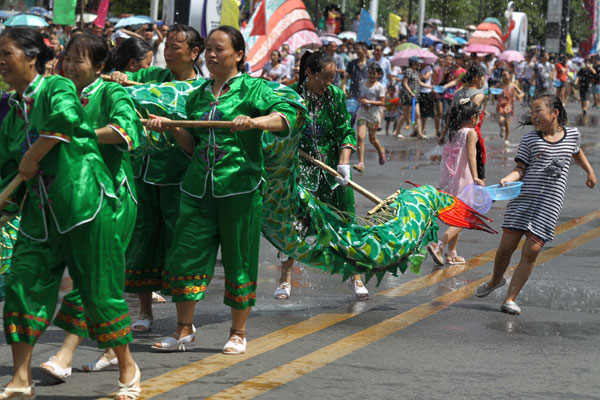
[
  {"x": 303, "y": 38},
  {"x": 4, "y": 14},
  {"x": 426, "y": 42},
  {"x": 329, "y": 37},
  {"x": 449, "y": 40},
  {"x": 347, "y": 35},
  {"x": 434, "y": 21},
  {"x": 42, "y": 12},
  {"x": 460, "y": 40},
  {"x": 482, "y": 49},
  {"x": 401, "y": 58},
  {"x": 486, "y": 26},
  {"x": 493, "y": 20},
  {"x": 26, "y": 20},
  {"x": 433, "y": 38},
  {"x": 511, "y": 56},
  {"x": 578, "y": 60},
  {"x": 378, "y": 37},
  {"x": 134, "y": 20},
  {"x": 406, "y": 46}
]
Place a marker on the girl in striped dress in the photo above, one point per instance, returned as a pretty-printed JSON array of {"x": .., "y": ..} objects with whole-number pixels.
[{"x": 543, "y": 161}]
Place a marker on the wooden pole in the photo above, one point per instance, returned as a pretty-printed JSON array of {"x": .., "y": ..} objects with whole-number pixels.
[
  {"x": 193, "y": 124},
  {"x": 333, "y": 172},
  {"x": 306, "y": 156},
  {"x": 12, "y": 186},
  {"x": 126, "y": 83}
]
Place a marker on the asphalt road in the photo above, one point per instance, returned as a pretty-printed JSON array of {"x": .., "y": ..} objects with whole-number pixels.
[{"x": 419, "y": 337}]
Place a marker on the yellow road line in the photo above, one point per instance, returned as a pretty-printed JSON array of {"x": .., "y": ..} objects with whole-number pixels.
[
  {"x": 209, "y": 365},
  {"x": 326, "y": 355}
]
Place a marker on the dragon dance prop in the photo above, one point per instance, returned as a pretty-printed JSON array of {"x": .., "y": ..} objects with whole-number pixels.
[{"x": 304, "y": 228}]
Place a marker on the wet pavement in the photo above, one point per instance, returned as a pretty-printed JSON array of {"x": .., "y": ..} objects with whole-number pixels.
[{"x": 419, "y": 337}]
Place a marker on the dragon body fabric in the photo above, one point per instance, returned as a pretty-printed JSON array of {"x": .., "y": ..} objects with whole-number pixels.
[{"x": 303, "y": 228}]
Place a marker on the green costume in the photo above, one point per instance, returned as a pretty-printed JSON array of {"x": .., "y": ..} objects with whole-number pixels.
[
  {"x": 68, "y": 219},
  {"x": 158, "y": 176},
  {"x": 323, "y": 136},
  {"x": 221, "y": 201},
  {"x": 108, "y": 104}
]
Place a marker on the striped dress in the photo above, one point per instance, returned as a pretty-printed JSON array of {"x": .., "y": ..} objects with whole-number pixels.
[{"x": 538, "y": 206}]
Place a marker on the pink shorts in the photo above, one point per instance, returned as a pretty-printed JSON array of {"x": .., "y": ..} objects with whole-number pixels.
[{"x": 528, "y": 234}]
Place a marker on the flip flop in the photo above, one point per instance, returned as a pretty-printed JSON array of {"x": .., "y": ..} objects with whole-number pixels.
[{"x": 359, "y": 169}]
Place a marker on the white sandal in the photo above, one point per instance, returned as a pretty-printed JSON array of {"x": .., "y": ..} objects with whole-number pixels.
[
  {"x": 100, "y": 364},
  {"x": 52, "y": 369},
  {"x": 157, "y": 298},
  {"x": 129, "y": 390},
  {"x": 25, "y": 393},
  {"x": 359, "y": 288},
  {"x": 283, "y": 291},
  {"x": 236, "y": 343},
  {"x": 173, "y": 344},
  {"x": 143, "y": 324}
]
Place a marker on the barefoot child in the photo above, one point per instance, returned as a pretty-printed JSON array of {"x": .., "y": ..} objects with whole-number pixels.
[
  {"x": 543, "y": 162},
  {"x": 504, "y": 106},
  {"x": 390, "y": 113},
  {"x": 372, "y": 94}
]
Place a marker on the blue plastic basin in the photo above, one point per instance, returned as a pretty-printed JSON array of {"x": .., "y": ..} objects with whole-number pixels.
[
  {"x": 496, "y": 91},
  {"x": 507, "y": 192}
]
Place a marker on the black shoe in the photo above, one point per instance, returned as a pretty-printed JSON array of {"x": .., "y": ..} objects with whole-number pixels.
[{"x": 584, "y": 112}]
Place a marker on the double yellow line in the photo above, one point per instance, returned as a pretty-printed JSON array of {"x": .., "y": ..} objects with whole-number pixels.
[{"x": 313, "y": 361}]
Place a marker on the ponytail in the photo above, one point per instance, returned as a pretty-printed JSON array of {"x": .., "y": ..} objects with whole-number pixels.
[{"x": 315, "y": 61}]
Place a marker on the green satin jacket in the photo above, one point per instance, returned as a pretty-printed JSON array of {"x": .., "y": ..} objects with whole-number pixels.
[
  {"x": 108, "y": 104},
  {"x": 72, "y": 179},
  {"x": 228, "y": 163},
  {"x": 323, "y": 136}
]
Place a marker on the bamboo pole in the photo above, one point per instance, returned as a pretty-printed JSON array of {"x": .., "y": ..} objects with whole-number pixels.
[{"x": 12, "y": 186}]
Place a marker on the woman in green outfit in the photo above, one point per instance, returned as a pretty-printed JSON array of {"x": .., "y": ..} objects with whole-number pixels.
[
  {"x": 110, "y": 111},
  {"x": 157, "y": 179},
  {"x": 68, "y": 216},
  {"x": 221, "y": 198},
  {"x": 329, "y": 138}
]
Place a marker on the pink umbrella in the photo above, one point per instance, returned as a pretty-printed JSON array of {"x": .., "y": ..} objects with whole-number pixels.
[
  {"x": 302, "y": 39},
  {"x": 482, "y": 49},
  {"x": 511, "y": 56},
  {"x": 433, "y": 37},
  {"x": 401, "y": 58}
]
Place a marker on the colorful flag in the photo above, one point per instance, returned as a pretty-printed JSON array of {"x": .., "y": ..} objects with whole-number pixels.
[
  {"x": 64, "y": 12},
  {"x": 230, "y": 13},
  {"x": 394, "y": 25},
  {"x": 284, "y": 21},
  {"x": 102, "y": 11},
  {"x": 365, "y": 27},
  {"x": 260, "y": 20},
  {"x": 569, "y": 49}
]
